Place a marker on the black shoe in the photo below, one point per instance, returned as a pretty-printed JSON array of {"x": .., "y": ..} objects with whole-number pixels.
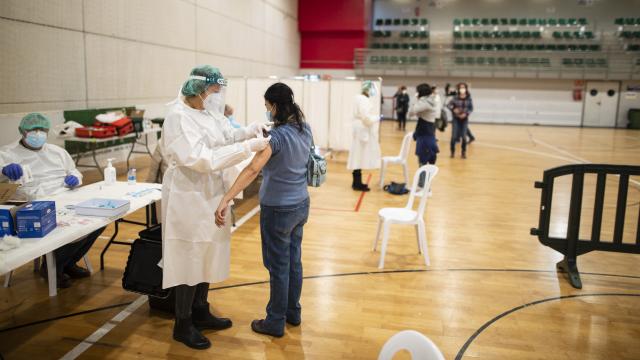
[
  {"x": 464, "y": 156},
  {"x": 204, "y": 319},
  {"x": 186, "y": 333},
  {"x": 258, "y": 326},
  {"x": 471, "y": 140},
  {"x": 294, "y": 322},
  {"x": 452, "y": 155},
  {"x": 63, "y": 280},
  {"x": 361, "y": 187},
  {"x": 77, "y": 272}
]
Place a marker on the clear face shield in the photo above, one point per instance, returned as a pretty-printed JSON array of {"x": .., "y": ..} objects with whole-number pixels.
[{"x": 215, "y": 94}]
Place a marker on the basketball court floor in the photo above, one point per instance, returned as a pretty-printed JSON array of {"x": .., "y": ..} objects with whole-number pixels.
[{"x": 491, "y": 291}]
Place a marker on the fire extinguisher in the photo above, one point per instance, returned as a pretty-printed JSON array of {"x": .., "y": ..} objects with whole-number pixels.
[{"x": 577, "y": 94}]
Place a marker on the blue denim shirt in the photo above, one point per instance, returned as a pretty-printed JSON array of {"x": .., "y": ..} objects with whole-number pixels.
[{"x": 284, "y": 177}]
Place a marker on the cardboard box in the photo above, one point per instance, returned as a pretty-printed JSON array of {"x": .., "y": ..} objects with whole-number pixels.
[
  {"x": 36, "y": 219},
  {"x": 8, "y": 209}
]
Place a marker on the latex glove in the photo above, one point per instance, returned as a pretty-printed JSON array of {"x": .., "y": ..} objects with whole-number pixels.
[
  {"x": 256, "y": 128},
  {"x": 257, "y": 144},
  {"x": 71, "y": 181},
  {"x": 13, "y": 171}
]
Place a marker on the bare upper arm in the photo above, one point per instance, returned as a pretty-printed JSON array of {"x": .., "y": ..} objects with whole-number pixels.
[{"x": 260, "y": 159}]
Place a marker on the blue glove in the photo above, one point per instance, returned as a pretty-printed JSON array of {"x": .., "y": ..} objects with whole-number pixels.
[
  {"x": 71, "y": 181},
  {"x": 12, "y": 171}
]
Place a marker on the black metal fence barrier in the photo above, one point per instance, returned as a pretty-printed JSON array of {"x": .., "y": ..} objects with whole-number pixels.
[{"x": 572, "y": 245}]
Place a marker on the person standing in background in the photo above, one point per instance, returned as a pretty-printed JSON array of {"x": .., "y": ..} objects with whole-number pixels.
[
  {"x": 450, "y": 95},
  {"x": 427, "y": 109},
  {"x": 365, "y": 148},
  {"x": 461, "y": 107},
  {"x": 402, "y": 106}
]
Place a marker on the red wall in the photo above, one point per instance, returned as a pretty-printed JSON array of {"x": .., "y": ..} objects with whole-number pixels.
[{"x": 330, "y": 30}]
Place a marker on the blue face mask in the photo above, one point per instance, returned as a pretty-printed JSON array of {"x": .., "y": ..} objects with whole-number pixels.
[
  {"x": 36, "y": 139},
  {"x": 268, "y": 115}
]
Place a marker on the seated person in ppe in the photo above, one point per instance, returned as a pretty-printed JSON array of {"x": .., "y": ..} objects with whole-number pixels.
[
  {"x": 228, "y": 113},
  {"x": 52, "y": 172}
]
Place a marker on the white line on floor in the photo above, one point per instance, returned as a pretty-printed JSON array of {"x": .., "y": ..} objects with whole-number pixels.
[
  {"x": 121, "y": 316},
  {"x": 526, "y": 151}
]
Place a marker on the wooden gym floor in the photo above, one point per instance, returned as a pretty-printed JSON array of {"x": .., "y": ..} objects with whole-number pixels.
[{"x": 491, "y": 292}]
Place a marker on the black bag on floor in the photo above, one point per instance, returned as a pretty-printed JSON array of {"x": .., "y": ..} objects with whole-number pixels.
[
  {"x": 142, "y": 274},
  {"x": 396, "y": 188}
]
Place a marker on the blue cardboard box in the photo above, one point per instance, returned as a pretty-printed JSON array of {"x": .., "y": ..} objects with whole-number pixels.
[
  {"x": 36, "y": 219},
  {"x": 8, "y": 219}
]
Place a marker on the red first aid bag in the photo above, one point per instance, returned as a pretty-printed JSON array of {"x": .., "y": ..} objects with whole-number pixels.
[{"x": 123, "y": 125}]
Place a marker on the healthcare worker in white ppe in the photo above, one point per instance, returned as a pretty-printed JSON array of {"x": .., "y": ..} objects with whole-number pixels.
[
  {"x": 365, "y": 146},
  {"x": 199, "y": 143}
]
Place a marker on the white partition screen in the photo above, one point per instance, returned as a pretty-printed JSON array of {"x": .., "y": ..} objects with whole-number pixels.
[
  {"x": 255, "y": 98},
  {"x": 316, "y": 109},
  {"x": 236, "y": 98}
]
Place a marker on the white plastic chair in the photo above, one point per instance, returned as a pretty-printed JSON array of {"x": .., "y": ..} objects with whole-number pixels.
[
  {"x": 408, "y": 216},
  {"x": 418, "y": 345},
  {"x": 401, "y": 159}
]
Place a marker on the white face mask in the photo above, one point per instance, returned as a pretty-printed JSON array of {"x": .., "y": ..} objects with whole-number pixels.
[
  {"x": 463, "y": 91},
  {"x": 404, "y": 92},
  {"x": 214, "y": 103}
]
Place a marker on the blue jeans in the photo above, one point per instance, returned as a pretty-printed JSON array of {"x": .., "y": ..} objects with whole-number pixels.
[
  {"x": 281, "y": 232},
  {"x": 459, "y": 133}
]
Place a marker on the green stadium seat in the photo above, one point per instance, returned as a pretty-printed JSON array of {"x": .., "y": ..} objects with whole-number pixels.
[
  {"x": 551, "y": 47},
  {"x": 572, "y": 47},
  {"x": 405, "y": 46},
  {"x": 395, "y": 46},
  {"x": 594, "y": 47},
  {"x": 486, "y": 34},
  {"x": 424, "y": 46},
  {"x": 526, "y": 34},
  {"x": 424, "y": 22},
  {"x": 379, "y": 22},
  {"x": 589, "y": 35},
  {"x": 477, "y": 34},
  {"x": 404, "y": 34},
  {"x": 466, "y": 22},
  {"x": 633, "y": 47},
  {"x": 403, "y": 59},
  {"x": 375, "y": 46},
  {"x": 424, "y": 34},
  {"x": 457, "y": 22},
  {"x": 629, "y": 21},
  {"x": 626, "y": 34},
  {"x": 475, "y": 21},
  {"x": 536, "y": 34},
  {"x": 578, "y": 62},
  {"x": 561, "y": 47},
  {"x": 457, "y": 34},
  {"x": 477, "y": 46},
  {"x": 540, "y": 47},
  {"x": 578, "y": 35},
  {"x": 572, "y": 21},
  {"x": 406, "y": 22},
  {"x": 496, "y": 34},
  {"x": 583, "y": 47},
  {"x": 485, "y": 21},
  {"x": 413, "y": 60},
  {"x": 495, "y": 21},
  {"x": 582, "y": 21},
  {"x": 518, "y": 47},
  {"x": 480, "y": 60},
  {"x": 504, "y": 21},
  {"x": 468, "y": 34},
  {"x": 567, "y": 62},
  {"x": 498, "y": 47},
  {"x": 513, "y": 21},
  {"x": 386, "y": 46},
  {"x": 414, "y": 22},
  {"x": 394, "y": 59},
  {"x": 516, "y": 34},
  {"x": 506, "y": 34},
  {"x": 468, "y": 46},
  {"x": 552, "y": 22},
  {"x": 619, "y": 21},
  {"x": 458, "y": 46},
  {"x": 387, "y": 33},
  {"x": 397, "y": 22},
  {"x": 636, "y": 34},
  {"x": 522, "y": 21},
  {"x": 566, "y": 34},
  {"x": 491, "y": 61},
  {"x": 529, "y": 47},
  {"x": 508, "y": 47},
  {"x": 502, "y": 61},
  {"x": 532, "y": 22},
  {"x": 384, "y": 59},
  {"x": 542, "y": 22},
  {"x": 557, "y": 35},
  {"x": 562, "y": 22}
]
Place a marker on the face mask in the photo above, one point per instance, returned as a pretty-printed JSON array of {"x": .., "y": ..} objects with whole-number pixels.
[
  {"x": 404, "y": 92},
  {"x": 267, "y": 114},
  {"x": 36, "y": 139},
  {"x": 463, "y": 91},
  {"x": 214, "y": 103}
]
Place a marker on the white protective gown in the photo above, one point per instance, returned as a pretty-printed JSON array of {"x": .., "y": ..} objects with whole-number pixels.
[
  {"x": 198, "y": 146},
  {"x": 49, "y": 166},
  {"x": 365, "y": 146}
]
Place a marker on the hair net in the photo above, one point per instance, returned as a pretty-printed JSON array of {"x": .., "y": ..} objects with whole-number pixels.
[
  {"x": 200, "y": 78},
  {"x": 34, "y": 120},
  {"x": 369, "y": 87}
]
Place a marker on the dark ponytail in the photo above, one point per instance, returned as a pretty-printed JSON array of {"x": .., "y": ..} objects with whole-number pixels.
[{"x": 287, "y": 111}]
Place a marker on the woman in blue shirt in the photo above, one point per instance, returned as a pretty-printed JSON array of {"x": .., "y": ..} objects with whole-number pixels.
[{"x": 284, "y": 206}]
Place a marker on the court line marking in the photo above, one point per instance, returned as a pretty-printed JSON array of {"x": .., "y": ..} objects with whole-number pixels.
[
  {"x": 121, "y": 316},
  {"x": 322, "y": 276},
  {"x": 526, "y": 151},
  {"x": 488, "y": 323},
  {"x": 362, "y": 195}
]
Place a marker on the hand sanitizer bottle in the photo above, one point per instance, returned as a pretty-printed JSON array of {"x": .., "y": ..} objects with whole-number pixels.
[{"x": 109, "y": 173}]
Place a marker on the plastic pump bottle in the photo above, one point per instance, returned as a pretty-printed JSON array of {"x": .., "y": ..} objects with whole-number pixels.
[{"x": 109, "y": 174}]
